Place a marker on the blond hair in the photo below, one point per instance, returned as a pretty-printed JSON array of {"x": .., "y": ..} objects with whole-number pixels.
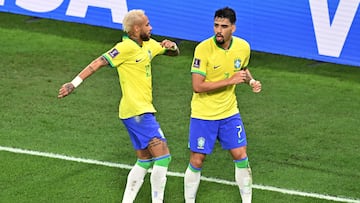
[{"x": 132, "y": 18}]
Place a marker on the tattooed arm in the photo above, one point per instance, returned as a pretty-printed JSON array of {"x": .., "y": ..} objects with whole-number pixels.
[{"x": 95, "y": 65}]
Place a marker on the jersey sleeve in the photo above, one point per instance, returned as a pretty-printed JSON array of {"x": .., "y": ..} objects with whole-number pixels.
[
  {"x": 156, "y": 48},
  {"x": 116, "y": 55},
  {"x": 199, "y": 61}
]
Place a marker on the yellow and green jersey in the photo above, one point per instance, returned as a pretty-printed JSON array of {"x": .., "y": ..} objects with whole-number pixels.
[
  {"x": 133, "y": 63},
  {"x": 217, "y": 64}
]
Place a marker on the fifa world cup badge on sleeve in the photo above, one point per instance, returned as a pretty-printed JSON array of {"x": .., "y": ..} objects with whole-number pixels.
[
  {"x": 113, "y": 53},
  {"x": 196, "y": 63}
]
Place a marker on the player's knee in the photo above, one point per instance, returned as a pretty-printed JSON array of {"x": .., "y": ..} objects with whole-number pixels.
[
  {"x": 238, "y": 153},
  {"x": 196, "y": 163},
  {"x": 197, "y": 160}
]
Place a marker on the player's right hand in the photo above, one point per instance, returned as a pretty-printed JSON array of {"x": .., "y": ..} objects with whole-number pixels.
[
  {"x": 66, "y": 89},
  {"x": 238, "y": 77}
]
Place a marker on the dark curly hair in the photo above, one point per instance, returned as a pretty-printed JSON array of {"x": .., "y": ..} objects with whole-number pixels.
[{"x": 226, "y": 12}]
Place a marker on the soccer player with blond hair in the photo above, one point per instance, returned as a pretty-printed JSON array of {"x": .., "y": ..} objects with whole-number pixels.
[{"x": 132, "y": 60}]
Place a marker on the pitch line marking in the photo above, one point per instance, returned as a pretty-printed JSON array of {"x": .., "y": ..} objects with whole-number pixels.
[{"x": 176, "y": 174}]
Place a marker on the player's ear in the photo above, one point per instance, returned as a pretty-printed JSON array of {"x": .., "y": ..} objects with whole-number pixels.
[
  {"x": 136, "y": 28},
  {"x": 233, "y": 28}
]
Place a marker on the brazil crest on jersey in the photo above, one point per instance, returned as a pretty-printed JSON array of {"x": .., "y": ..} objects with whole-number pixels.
[
  {"x": 217, "y": 64},
  {"x": 133, "y": 63}
]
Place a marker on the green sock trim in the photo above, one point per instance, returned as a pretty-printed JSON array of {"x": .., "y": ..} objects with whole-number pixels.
[
  {"x": 163, "y": 161},
  {"x": 243, "y": 163},
  {"x": 194, "y": 169},
  {"x": 146, "y": 164}
]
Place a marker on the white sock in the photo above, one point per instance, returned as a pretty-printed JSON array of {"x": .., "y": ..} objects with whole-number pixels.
[
  {"x": 244, "y": 180},
  {"x": 191, "y": 185},
  {"x": 135, "y": 180},
  {"x": 158, "y": 182}
]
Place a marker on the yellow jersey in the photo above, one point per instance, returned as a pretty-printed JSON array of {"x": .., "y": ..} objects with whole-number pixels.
[
  {"x": 133, "y": 64},
  {"x": 215, "y": 63}
]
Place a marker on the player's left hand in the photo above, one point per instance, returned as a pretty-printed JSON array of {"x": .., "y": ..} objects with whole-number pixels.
[{"x": 256, "y": 86}]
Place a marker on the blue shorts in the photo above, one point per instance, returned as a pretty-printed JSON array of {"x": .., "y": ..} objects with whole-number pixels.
[
  {"x": 229, "y": 131},
  {"x": 142, "y": 129}
]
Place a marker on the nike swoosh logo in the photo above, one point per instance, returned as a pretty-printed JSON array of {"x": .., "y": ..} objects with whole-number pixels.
[
  {"x": 137, "y": 60},
  {"x": 215, "y": 67},
  {"x": 241, "y": 140}
]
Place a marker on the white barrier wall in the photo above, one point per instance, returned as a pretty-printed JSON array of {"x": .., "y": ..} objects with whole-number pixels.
[{"x": 324, "y": 30}]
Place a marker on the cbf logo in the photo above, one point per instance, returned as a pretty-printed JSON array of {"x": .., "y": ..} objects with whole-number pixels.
[
  {"x": 237, "y": 63},
  {"x": 200, "y": 142}
]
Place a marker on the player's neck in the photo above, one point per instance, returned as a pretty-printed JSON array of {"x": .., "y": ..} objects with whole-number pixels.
[
  {"x": 226, "y": 45},
  {"x": 138, "y": 40}
]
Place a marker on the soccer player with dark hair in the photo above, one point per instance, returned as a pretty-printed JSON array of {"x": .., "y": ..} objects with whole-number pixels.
[
  {"x": 132, "y": 59},
  {"x": 219, "y": 64}
]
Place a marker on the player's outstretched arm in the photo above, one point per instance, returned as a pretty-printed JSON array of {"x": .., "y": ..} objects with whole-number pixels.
[{"x": 69, "y": 87}]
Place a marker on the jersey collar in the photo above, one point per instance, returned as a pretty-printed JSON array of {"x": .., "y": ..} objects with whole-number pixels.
[
  {"x": 125, "y": 37},
  {"x": 218, "y": 45}
]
